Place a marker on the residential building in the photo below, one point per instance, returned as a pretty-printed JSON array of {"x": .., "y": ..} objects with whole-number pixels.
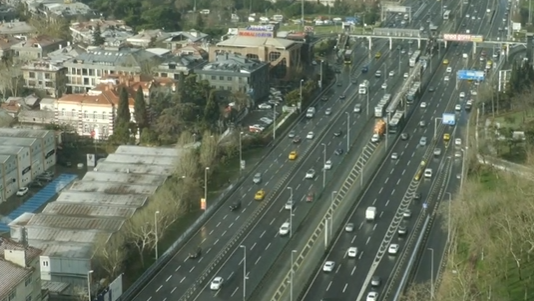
[
  {"x": 86, "y": 69},
  {"x": 20, "y": 270},
  {"x": 8, "y": 177},
  {"x": 176, "y": 64},
  {"x": 282, "y": 54},
  {"x": 113, "y": 31},
  {"x": 16, "y": 28},
  {"x": 237, "y": 73},
  {"x": 6, "y": 42},
  {"x": 182, "y": 38},
  {"x": 11, "y": 106},
  {"x": 22, "y": 156},
  {"x": 37, "y": 48},
  {"x": 45, "y": 114},
  {"x": 67, "y": 9},
  {"x": 103, "y": 201},
  {"x": 152, "y": 37},
  {"x": 45, "y": 75},
  {"x": 191, "y": 50}
]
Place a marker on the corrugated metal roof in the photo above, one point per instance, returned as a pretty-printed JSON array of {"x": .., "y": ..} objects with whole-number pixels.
[
  {"x": 239, "y": 41},
  {"x": 12, "y": 275},
  {"x": 75, "y": 223},
  {"x": 94, "y": 210},
  {"x": 141, "y": 159},
  {"x": 147, "y": 151},
  {"x": 80, "y": 197},
  {"x": 67, "y": 250},
  {"x": 140, "y": 169},
  {"x": 113, "y": 188},
  {"x": 126, "y": 178},
  {"x": 65, "y": 235}
]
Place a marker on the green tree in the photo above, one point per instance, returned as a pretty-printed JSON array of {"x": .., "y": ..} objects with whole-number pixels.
[
  {"x": 199, "y": 22},
  {"x": 140, "y": 110},
  {"x": 123, "y": 108},
  {"x": 148, "y": 137},
  {"x": 98, "y": 40},
  {"x": 212, "y": 112}
]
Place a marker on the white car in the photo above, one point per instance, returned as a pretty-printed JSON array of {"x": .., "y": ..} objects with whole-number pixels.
[
  {"x": 352, "y": 252},
  {"x": 391, "y": 73},
  {"x": 464, "y": 55},
  {"x": 329, "y": 266},
  {"x": 266, "y": 120},
  {"x": 216, "y": 283},
  {"x": 328, "y": 111},
  {"x": 405, "y": 75},
  {"x": 468, "y": 16},
  {"x": 458, "y": 107},
  {"x": 289, "y": 205},
  {"x": 372, "y": 296},
  {"x": 22, "y": 191},
  {"x": 428, "y": 173},
  {"x": 310, "y": 135},
  {"x": 310, "y": 174},
  {"x": 446, "y": 78},
  {"x": 264, "y": 106},
  {"x": 393, "y": 249},
  {"x": 384, "y": 86},
  {"x": 482, "y": 58},
  {"x": 449, "y": 69},
  {"x": 474, "y": 92},
  {"x": 423, "y": 105},
  {"x": 458, "y": 141},
  {"x": 394, "y": 156},
  {"x": 328, "y": 165},
  {"x": 284, "y": 229},
  {"x": 462, "y": 94}
]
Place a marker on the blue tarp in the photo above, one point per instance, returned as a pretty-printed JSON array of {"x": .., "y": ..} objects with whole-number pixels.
[{"x": 39, "y": 199}]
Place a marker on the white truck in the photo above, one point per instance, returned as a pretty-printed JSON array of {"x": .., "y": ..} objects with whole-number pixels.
[
  {"x": 370, "y": 213},
  {"x": 310, "y": 112},
  {"x": 363, "y": 87}
]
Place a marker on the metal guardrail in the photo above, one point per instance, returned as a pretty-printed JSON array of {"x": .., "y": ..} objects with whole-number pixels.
[{"x": 140, "y": 283}]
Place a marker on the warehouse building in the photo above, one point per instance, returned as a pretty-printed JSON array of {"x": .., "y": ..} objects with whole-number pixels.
[
  {"x": 47, "y": 139},
  {"x": 24, "y": 165},
  {"x": 8, "y": 177},
  {"x": 91, "y": 211},
  {"x": 36, "y": 152}
]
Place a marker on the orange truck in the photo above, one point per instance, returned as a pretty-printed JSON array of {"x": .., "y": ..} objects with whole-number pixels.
[{"x": 380, "y": 129}]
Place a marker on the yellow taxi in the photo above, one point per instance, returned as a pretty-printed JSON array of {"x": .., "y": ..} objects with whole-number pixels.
[
  {"x": 378, "y": 55},
  {"x": 446, "y": 137},
  {"x": 445, "y": 62},
  {"x": 293, "y": 155},
  {"x": 259, "y": 195}
]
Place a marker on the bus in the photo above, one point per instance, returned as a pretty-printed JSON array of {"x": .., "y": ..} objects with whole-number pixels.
[
  {"x": 348, "y": 57},
  {"x": 395, "y": 124},
  {"x": 446, "y": 15},
  {"x": 415, "y": 58},
  {"x": 393, "y": 106},
  {"x": 382, "y": 105}
]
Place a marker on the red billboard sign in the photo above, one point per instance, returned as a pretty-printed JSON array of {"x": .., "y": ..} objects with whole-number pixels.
[
  {"x": 256, "y": 34},
  {"x": 462, "y": 37}
]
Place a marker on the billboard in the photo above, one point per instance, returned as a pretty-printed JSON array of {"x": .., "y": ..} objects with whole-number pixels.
[
  {"x": 462, "y": 37},
  {"x": 471, "y": 75},
  {"x": 448, "y": 119},
  {"x": 258, "y": 31},
  {"x": 398, "y": 9}
]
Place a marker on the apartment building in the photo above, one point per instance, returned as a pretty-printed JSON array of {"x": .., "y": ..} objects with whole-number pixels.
[
  {"x": 20, "y": 270},
  {"x": 23, "y": 160},
  {"x": 111, "y": 30},
  {"x": 85, "y": 70},
  {"x": 16, "y": 28},
  {"x": 8, "y": 177},
  {"x": 6, "y": 42},
  {"x": 45, "y": 75},
  {"x": 37, "y": 47}
]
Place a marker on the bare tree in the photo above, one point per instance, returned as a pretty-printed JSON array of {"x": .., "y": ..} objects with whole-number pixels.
[
  {"x": 11, "y": 81},
  {"x": 110, "y": 253},
  {"x": 419, "y": 291},
  {"x": 209, "y": 150},
  {"x": 140, "y": 230},
  {"x": 53, "y": 27},
  {"x": 187, "y": 164},
  {"x": 186, "y": 139}
]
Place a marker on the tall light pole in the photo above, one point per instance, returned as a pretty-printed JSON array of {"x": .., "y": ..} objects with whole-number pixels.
[
  {"x": 244, "y": 271},
  {"x": 332, "y": 198},
  {"x": 89, "y": 283},
  {"x": 300, "y": 92},
  {"x": 436, "y": 119},
  {"x": 348, "y": 130},
  {"x": 274, "y": 122},
  {"x": 449, "y": 222},
  {"x": 206, "y": 186},
  {"x": 291, "y": 274},
  {"x": 431, "y": 273},
  {"x": 156, "y": 232},
  {"x": 241, "y": 151},
  {"x": 324, "y": 164},
  {"x": 291, "y": 212}
]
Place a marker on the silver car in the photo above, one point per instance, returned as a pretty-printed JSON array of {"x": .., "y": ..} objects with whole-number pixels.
[
  {"x": 257, "y": 178},
  {"x": 422, "y": 141}
]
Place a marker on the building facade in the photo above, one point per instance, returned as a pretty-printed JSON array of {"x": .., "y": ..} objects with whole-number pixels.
[
  {"x": 110, "y": 29},
  {"x": 37, "y": 48},
  {"x": 236, "y": 73},
  {"x": 36, "y": 152},
  {"x": 9, "y": 181},
  {"x": 45, "y": 75},
  {"x": 46, "y": 139},
  {"x": 20, "y": 270},
  {"x": 85, "y": 71},
  {"x": 22, "y": 156}
]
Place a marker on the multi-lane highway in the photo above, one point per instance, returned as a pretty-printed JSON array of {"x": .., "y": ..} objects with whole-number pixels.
[
  {"x": 263, "y": 244},
  {"x": 392, "y": 193}
]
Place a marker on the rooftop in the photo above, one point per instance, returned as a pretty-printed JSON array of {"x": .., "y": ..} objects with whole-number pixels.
[
  {"x": 88, "y": 27},
  {"x": 89, "y": 198},
  {"x": 17, "y": 141},
  {"x": 140, "y": 169},
  {"x": 13, "y": 274},
  {"x": 64, "y": 235},
  {"x": 66, "y": 53},
  {"x": 43, "y": 220},
  {"x": 229, "y": 62},
  {"x": 146, "y": 151},
  {"x": 113, "y": 188},
  {"x": 45, "y": 64},
  {"x": 69, "y": 250},
  {"x": 11, "y": 150},
  {"x": 94, "y": 210},
  {"x": 126, "y": 178},
  {"x": 190, "y": 36},
  {"x": 114, "y": 56},
  {"x": 240, "y": 41},
  {"x": 4, "y": 158},
  {"x": 24, "y": 133},
  {"x": 68, "y": 9},
  {"x": 140, "y": 159},
  {"x": 15, "y": 27}
]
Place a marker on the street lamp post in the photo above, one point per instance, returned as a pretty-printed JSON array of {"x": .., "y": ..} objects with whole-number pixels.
[
  {"x": 206, "y": 186},
  {"x": 300, "y": 94},
  {"x": 291, "y": 212},
  {"x": 431, "y": 273},
  {"x": 324, "y": 164},
  {"x": 332, "y": 198},
  {"x": 274, "y": 122},
  {"x": 241, "y": 151},
  {"x": 348, "y": 131},
  {"x": 436, "y": 119},
  {"x": 244, "y": 271},
  {"x": 89, "y": 283},
  {"x": 291, "y": 274},
  {"x": 449, "y": 217},
  {"x": 156, "y": 233}
]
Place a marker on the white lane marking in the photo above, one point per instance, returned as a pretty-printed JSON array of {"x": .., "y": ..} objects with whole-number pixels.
[
  {"x": 168, "y": 278},
  {"x": 159, "y": 288}
]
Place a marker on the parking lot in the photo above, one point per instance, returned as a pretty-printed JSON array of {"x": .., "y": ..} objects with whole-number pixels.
[{"x": 265, "y": 113}]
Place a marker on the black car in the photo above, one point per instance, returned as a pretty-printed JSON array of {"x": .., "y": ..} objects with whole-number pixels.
[
  {"x": 402, "y": 230},
  {"x": 375, "y": 281},
  {"x": 235, "y": 206},
  {"x": 196, "y": 254},
  {"x": 431, "y": 89},
  {"x": 339, "y": 84},
  {"x": 405, "y": 136},
  {"x": 324, "y": 98},
  {"x": 338, "y": 152},
  {"x": 296, "y": 140},
  {"x": 338, "y": 133},
  {"x": 342, "y": 96},
  {"x": 417, "y": 196}
]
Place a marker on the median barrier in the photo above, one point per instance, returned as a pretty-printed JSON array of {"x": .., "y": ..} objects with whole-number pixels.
[{"x": 152, "y": 271}]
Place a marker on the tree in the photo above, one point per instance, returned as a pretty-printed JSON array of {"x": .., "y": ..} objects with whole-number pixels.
[
  {"x": 148, "y": 137},
  {"x": 110, "y": 253},
  {"x": 420, "y": 291},
  {"x": 52, "y": 27},
  {"x": 212, "y": 111},
  {"x": 140, "y": 231},
  {"x": 98, "y": 40},
  {"x": 140, "y": 110},
  {"x": 187, "y": 164},
  {"x": 11, "y": 81},
  {"x": 209, "y": 150},
  {"x": 123, "y": 108}
]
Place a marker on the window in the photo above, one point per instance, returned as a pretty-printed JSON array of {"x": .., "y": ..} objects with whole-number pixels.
[
  {"x": 221, "y": 77},
  {"x": 28, "y": 281},
  {"x": 12, "y": 295},
  {"x": 104, "y": 116},
  {"x": 163, "y": 74},
  {"x": 85, "y": 114},
  {"x": 47, "y": 75},
  {"x": 62, "y": 112},
  {"x": 73, "y": 113},
  {"x": 31, "y": 75},
  {"x": 86, "y": 128},
  {"x": 213, "y": 77},
  {"x": 229, "y": 78},
  {"x": 45, "y": 263},
  {"x": 49, "y": 84},
  {"x": 94, "y": 114}
]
